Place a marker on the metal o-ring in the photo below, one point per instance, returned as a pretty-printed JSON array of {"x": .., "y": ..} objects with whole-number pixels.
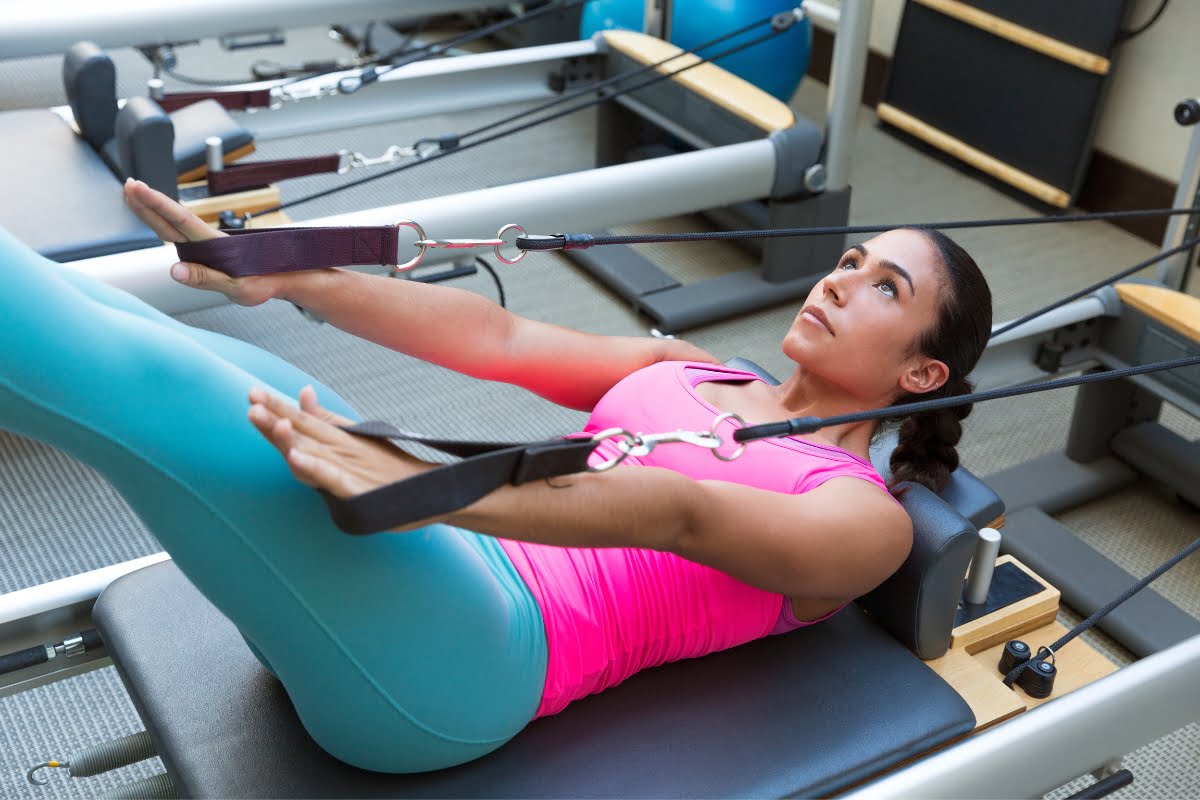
[
  {"x": 626, "y": 438},
  {"x": 407, "y": 265},
  {"x": 741, "y": 448},
  {"x": 520, "y": 254}
]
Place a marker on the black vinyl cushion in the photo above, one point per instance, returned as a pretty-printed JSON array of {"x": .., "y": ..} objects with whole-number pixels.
[
  {"x": 62, "y": 200},
  {"x": 804, "y": 714},
  {"x": 90, "y": 82},
  {"x": 196, "y": 122}
]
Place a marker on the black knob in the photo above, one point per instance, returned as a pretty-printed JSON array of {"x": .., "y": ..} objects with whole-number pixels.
[
  {"x": 1015, "y": 652},
  {"x": 1187, "y": 112},
  {"x": 230, "y": 221},
  {"x": 1038, "y": 680}
]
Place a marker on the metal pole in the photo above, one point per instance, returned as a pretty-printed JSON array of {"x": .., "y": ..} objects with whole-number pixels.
[
  {"x": 1173, "y": 272},
  {"x": 845, "y": 88},
  {"x": 656, "y": 21}
]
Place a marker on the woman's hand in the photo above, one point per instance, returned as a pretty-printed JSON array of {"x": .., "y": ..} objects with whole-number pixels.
[
  {"x": 322, "y": 455},
  {"x": 174, "y": 223}
]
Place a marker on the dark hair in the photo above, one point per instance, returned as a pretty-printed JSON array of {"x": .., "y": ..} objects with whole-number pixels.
[{"x": 926, "y": 451}]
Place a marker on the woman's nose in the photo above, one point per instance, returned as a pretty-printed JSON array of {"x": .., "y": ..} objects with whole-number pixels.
[{"x": 835, "y": 286}]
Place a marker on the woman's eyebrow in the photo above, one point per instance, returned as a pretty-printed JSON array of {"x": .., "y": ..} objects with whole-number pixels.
[{"x": 890, "y": 266}]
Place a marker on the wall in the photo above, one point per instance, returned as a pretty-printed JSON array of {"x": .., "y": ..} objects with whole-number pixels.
[{"x": 1152, "y": 73}]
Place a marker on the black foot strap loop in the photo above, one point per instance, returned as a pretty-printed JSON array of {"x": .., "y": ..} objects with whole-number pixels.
[{"x": 485, "y": 467}]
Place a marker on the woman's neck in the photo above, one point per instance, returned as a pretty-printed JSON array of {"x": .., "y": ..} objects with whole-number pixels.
[{"x": 807, "y": 395}]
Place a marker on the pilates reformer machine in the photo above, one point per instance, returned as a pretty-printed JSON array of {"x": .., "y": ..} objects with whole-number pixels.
[
  {"x": 747, "y": 156},
  {"x": 900, "y": 677}
]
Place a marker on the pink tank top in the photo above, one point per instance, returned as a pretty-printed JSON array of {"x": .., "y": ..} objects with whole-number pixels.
[{"x": 610, "y": 612}]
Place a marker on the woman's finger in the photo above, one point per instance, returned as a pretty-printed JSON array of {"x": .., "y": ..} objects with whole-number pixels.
[
  {"x": 316, "y": 471},
  {"x": 310, "y": 405},
  {"x": 156, "y": 207}
]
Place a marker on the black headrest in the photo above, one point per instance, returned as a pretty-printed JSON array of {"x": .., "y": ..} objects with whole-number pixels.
[
  {"x": 918, "y": 603},
  {"x": 146, "y": 144},
  {"x": 90, "y": 80}
]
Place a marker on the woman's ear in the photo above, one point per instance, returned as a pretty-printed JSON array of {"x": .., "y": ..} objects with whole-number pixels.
[{"x": 924, "y": 375}]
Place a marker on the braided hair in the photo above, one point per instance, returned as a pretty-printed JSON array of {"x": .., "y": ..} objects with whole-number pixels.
[{"x": 926, "y": 451}]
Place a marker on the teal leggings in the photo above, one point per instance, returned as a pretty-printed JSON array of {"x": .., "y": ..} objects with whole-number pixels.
[{"x": 401, "y": 652}]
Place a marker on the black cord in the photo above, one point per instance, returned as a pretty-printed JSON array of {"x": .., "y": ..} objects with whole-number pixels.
[
  {"x": 517, "y": 129},
  {"x": 1126, "y": 35},
  {"x": 499, "y": 286},
  {"x": 800, "y": 425},
  {"x": 615, "y": 79},
  {"x": 403, "y": 55},
  {"x": 580, "y": 241},
  {"x": 201, "y": 81},
  {"x": 1012, "y": 676},
  {"x": 1138, "y": 267}
]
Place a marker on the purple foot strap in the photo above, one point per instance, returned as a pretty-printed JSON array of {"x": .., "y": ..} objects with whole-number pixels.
[{"x": 263, "y": 251}]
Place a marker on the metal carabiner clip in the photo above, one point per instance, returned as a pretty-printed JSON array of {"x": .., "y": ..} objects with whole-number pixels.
[
  {"x": 644, "y": 443},
  {"x": 423, "y": 244}
]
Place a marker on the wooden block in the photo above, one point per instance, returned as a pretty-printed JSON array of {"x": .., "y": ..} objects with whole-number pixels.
[
  {"x": 1077, "y": 662},
  {"x": 1176, "y": 310},
  {"x": 1011, "y": 621},
  {"x": 276, "y": 219},
  {"x": 1018, "y": 34},
  {"x": 199, "y": 172},
  {"x": 976, "y": 158},
  {"x": 251, "y": 200},
  {"x": 718, "y": 86},
  {"x": 982, "y": 689}
]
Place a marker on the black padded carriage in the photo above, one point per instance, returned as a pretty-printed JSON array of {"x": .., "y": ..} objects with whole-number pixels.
[
  {"x": 804, "y": 714},
  {"x": 809, "y": 713}
]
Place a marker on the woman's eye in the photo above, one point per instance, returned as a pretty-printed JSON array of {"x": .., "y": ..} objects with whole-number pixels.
[
  {"x": 849, "y": 265},
  {"x": 888, "y": 288}
]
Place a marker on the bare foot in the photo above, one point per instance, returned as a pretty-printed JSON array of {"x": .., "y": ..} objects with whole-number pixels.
[{"x": 322, "y": 455}]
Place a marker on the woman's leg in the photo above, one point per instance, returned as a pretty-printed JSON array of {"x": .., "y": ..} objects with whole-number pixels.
[
  {"x": 400, "y": 652},
  {"x": 271, "y": 370}
]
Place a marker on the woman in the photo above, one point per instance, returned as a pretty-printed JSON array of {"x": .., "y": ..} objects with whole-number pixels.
[{"x": 428, "y": 648}]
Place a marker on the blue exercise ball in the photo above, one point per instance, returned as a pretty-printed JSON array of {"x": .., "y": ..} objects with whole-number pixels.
[{"x": 775, "y": 66}]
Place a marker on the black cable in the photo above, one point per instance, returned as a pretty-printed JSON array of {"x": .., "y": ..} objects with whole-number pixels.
[
  {"x": 1138, "y": 267},
  {"x": 1126, "y": 35},
  {"x": 1012, "y": 676},
  {"x": 499, "y": 286},
  {"x": 201, "y": 81},
  {"x": 624, "y": 76},
  {"x": 402, "y": 56},
  {"x": 580, "y": 241},
  {"x": 799, "y": 425},
  {"x": 502, "y": 134}
]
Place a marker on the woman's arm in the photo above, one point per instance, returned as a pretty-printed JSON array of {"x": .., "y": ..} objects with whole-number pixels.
[
  {"x": 453, "y": 328},
  {"x": 834, "y": 543}
]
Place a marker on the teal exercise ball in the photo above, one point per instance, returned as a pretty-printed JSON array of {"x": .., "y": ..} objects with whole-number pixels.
[{"x": 775, "y": 66}]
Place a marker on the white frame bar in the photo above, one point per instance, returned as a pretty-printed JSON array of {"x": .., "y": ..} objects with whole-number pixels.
[
  {"x": 32, "y": 29},
  {"x": 438, "y": 86},
  {"x": 1042, "y": 749},
  {"x": 582, "y": 201},
  {"x": 47, "y": 613}
]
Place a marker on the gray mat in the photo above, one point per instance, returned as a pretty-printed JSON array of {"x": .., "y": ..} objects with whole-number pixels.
[{"x": 58, "y": 518}]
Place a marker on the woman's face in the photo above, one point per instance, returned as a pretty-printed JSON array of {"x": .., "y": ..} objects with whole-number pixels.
[{"x": 859, "y": 327}]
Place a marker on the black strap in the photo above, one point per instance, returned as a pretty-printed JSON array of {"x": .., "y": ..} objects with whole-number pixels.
[
  {"x": 261, "y": 251},
  {"x": 485, "y": 467}
]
